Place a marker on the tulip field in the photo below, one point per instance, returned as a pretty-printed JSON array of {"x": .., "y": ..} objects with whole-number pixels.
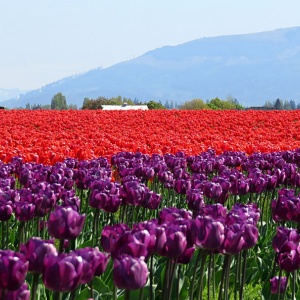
[{"x": 150, "y": 205}]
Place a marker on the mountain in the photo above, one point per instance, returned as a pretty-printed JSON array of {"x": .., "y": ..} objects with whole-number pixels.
[
  {"x": 6, "y": 94},
  {"x": 252, "y": 68}
]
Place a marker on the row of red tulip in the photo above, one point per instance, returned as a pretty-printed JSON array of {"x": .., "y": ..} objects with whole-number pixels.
[{"x": 50, "y": 136}]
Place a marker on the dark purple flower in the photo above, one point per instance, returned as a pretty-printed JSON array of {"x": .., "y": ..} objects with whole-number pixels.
[
  {"x": 63, "y": 272},
  {"x": 277, "y": 285},
  {"x": 151, "y": 200},
  {"x": 6, "y": 210},
  {"x": 182, "y": 186},
  {"x": 22, "y": 293},
  {"x": 289, "y": 260},
  {"x": 194, "y": 199},
  {"x": 174, "y": 215},
  {"x": 24, "y": 211},
  {"x": 212, "y": 190},
  {"x": 207, "y": 233},
  {"x": 35, "y": 251},
  {"x": 186, "y": 256},
  {"x": 239, "y": 237},
  {"x": 128, "y": 244},
  {"x": 110, "y": 235},
  {"x": 13, "y": 270},
  {"x": 65, "y": 223},
  {"x": 175, "y": 243},
  {"x": 130, "y": 273}
]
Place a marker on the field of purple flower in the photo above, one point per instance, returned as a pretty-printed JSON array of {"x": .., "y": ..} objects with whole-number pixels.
[{"x": 165, "y": 227}]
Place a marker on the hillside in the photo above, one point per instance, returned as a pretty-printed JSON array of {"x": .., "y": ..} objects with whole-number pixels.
[{"x": 251, "y": 67}]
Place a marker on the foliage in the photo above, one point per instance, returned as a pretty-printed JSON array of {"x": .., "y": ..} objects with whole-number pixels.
[
  {"x": 59, "y": 102},
  {"x": 154, "y": 105},
  {"x": 215, "y": 104},
  {"x": 96, "y": 103},
  {"x": 218, "y": 104},
  {"x": 194, "y": 105},
  {"x": 279, "y": 104}
]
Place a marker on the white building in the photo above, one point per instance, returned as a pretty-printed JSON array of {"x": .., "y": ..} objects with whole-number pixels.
[{"x": 125, "y": 106}]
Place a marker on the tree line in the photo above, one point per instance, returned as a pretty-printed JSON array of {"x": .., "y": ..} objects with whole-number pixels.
[
  {"x": 280, "y": 104},
  {"x": 59, "y": 102}
]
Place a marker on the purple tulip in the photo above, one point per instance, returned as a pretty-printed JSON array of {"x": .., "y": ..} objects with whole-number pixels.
[
  {"x": 22, "y": 293},
  {"x": 65, "y": 223},
  {"x": 24, "y": 211},
  {"x": 110, "y": 235},
  {"x": 151, "y": 200},
  {"x": 182, "y": 186},
  {"x": 128, "y": 244},
  {"x": 13, "y": 270},
  {"x": 212, "y": 190},
  {"x": 35, "y": 251},
  {"x": 289, "y": 260},
  {"x": 174, "y": 215},
  {"x": 64, "y": 272},
  {"x": 283, "y": 236},
  {"x": 207, "y": 233},
  {"x": 175, "y": 243},
  {"x": 6, "y": 210},
  {"x": 194, "y": 199},
  {"x": 186, "y": 257},
  {"x": 275, "y": 282},
  {"x": 130, "y": 273}
]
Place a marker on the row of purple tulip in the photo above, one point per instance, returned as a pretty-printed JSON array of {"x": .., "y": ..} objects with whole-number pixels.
[{"x": 58, "y": 200}]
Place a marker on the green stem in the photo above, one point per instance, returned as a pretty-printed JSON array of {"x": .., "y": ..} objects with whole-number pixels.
[
  {"x": 173, "y": 267},
  {"x": 237, "y": 279},
  {"x": 227, "y": 278},
  {"x": 61, "y": 246},
  {"x": 209, "y": 276},
  {"x": 178, "y": 280},
  {"x": 127, "y": 295},
  {"x": 223, "y": 277},
  {"x": 166, "y": 281},
  {"x": 278, "y": 287},
  {"x": 203, "y": 259},
  {"x": 194, "y": 274},
  {"x": 141, "y": 296},
  {"x": 294, "y": 285},
  {"x": 35, "y": 281},
  {"x": 57, "y": 295},
  {"x": 151, "y": 277},
  {"x": 3, "y": 235},
  {"x": 243, "y": 273}
]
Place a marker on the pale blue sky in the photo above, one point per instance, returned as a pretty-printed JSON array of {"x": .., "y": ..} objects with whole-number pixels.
[{"x": 42, "y": 41}]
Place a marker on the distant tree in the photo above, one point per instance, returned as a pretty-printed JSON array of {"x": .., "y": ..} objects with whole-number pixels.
[
  {"x": 72, "y": 107},
  {"x": 292, "y": 104},
  {"x": 27, "y": 106},
  {"x": 59, "y": 102},
  {"x": 278, "y": 104},
  {"x": 154, "y": 105},
  {"x": 194, "y": 104},
  {"x": 268, "y": 104},
  {"x": 167, "y": 105},
  {"x": 287, "y": 105},
  {"x": 217, "y": 103}
]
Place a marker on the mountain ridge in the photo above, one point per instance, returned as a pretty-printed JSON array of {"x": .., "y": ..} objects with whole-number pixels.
[{"x": 253, "y": 68}]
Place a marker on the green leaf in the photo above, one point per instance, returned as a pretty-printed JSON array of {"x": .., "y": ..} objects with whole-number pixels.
[
  {"x": 84, "y": 294},
  {"x": 100, "y": 286},
  {"x": 85, "y": 244}
]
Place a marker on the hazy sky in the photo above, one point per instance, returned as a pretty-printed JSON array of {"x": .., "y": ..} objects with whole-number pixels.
[{"x": 42, "y": 41}]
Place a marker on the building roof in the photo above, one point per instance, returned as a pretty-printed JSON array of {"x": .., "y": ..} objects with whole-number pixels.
[{"x": 124, "y": 107}]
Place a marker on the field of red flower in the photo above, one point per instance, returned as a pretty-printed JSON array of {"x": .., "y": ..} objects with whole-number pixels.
[{"x": 50, "y": 136}]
